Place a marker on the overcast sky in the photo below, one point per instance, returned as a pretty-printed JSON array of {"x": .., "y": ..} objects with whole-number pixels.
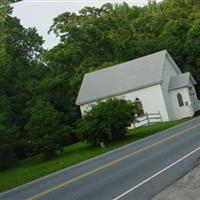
[{"x": 40, "y": 13}]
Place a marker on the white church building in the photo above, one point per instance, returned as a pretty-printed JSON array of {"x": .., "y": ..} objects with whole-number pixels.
[{"x": 154, "y": 79}]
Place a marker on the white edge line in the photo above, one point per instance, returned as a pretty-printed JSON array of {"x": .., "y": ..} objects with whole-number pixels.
[
  {"x": 158, "y": 173},
  {"x": 94, "y": 158}
]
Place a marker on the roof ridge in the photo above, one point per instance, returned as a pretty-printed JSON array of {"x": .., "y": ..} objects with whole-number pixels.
[{"x": 126, "y": 62}]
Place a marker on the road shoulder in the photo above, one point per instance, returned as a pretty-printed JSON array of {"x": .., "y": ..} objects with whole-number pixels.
[{"x": 186, "y": 188}]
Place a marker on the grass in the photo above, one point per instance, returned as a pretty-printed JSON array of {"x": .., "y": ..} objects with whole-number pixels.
[{"x": 35, "y": 167}]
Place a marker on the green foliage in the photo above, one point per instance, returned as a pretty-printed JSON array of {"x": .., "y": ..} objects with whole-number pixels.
[
  {"x": 42, "y": 127},
  {"x": 117, "y": 33},
  {"x": 93, "y": 39},
  {"x": 7, "y": 142},
  {"x": 20, "y": 56},
  {"x": 107, "y": 121},
  {"x": 8, "y": 136}
]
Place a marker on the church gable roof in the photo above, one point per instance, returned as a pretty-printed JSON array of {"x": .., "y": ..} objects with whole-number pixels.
[
  {"x": 122, "y": 78},
  {"x": 181, "y": 80}
]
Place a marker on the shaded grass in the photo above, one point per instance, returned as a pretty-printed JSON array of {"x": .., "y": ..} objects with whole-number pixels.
[{"x": 35, "y": 167}]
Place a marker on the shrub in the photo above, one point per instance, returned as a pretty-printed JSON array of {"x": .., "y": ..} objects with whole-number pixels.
[
  {"x": 8, "y": 135},
  {"x": 43, "y": 129},
  {"x": 107, "y": 121},
  {"x": 7, "y": 143}
]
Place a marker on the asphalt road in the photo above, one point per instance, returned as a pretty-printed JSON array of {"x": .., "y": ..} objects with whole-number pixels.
[{"x": 136, "y": 171}]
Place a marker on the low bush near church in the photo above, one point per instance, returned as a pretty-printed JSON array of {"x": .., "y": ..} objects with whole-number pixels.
[{"x": 107, "y": 121}]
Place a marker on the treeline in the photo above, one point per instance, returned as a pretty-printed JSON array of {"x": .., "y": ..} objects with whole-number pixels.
[{"x": 38, "y": 88}]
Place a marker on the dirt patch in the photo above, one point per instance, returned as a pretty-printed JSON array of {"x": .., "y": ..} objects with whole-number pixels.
[{"x": 186, "y": 188}]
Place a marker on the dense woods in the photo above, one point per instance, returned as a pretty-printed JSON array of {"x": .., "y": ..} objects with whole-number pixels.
[{"x": 38, "y": 88}]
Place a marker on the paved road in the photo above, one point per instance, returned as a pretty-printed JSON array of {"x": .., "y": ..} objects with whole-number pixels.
[{"x": 137, "y": 171}]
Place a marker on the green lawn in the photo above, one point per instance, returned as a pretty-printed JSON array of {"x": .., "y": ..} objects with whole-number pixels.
[{"x": 36, "y": 167}]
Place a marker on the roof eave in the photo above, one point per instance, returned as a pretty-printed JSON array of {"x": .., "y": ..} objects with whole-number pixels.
[
  {"x": 193, "y": 79},
  {"x": 173, "y": 63},
  {"x": 116, "y": 94}
]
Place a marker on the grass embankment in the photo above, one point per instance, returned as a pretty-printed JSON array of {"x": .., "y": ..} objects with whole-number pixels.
[{"x": 36, "y": 167}]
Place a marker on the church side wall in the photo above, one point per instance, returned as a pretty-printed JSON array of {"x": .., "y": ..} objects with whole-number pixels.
[
  {"x": 187, "y": 109},
  {"x": 151, "y": 98}
]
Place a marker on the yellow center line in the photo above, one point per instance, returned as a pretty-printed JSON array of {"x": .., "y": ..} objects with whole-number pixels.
[{"x": 65, "y": 183}]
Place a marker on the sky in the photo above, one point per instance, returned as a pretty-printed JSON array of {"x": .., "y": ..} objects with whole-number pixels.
[{"x": 40, "y": 13}]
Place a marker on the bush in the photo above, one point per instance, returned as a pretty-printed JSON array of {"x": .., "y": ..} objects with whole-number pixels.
[
  {"x": 8, "y": 135},
  {"x": 107, "y": 121},
  {"x": 44, "y": 130},
  {"x": 7, "y": 144}
]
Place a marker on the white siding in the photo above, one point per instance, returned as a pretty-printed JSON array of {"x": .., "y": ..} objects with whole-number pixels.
[
  {"x": 86, "y": 107},
  {"x": 193, "y": 98},
  {"x": 168, "y": 72},
  {"x": 187, "y": 109},
  {"x": 151, "y": 98}
]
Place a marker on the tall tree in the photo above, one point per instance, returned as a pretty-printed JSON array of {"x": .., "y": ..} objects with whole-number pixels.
[{"x": 20, "y": 56}]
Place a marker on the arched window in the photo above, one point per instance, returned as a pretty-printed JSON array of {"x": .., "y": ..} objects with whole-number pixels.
[
  {"x": 180, "y": 99},
  {"x": 140, "y": 111}
]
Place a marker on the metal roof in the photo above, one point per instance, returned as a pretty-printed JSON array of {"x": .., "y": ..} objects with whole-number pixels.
[
  {"x": 181, "y": 80},
  {"x": 132, "y": 75}
]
